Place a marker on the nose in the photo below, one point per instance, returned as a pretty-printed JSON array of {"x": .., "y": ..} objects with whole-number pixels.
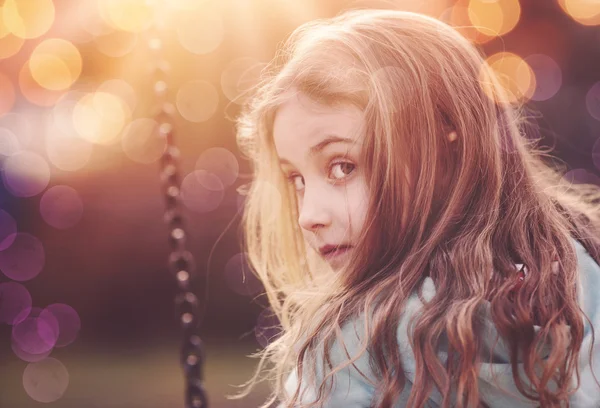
[{"x": 314, "y": 209}]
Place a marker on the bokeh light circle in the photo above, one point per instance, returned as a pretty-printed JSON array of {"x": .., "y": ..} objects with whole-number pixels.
[
  {"x": 28, "y": 19},
  {"x": 46, "y": 380},
  {"x": 240, "y": 278},
  {"x": 62, "y": 112},
  {"x": 585, "y": 12},
  {"x": 33, "y": 91},
  {"x": 8, "y": 230},
  {"x": 10, "y": 44},
  {"x": 69, "y": 323},
  {"x": 15, "y": 302},
  {"x": 26, "y": 174},
  {"x": 122, "y": 89},
  {"x": 61, "y": 207},
  {"x": 514, "y": 74},
  {"x": 9, "y": 144},
  {"x": 494, "y": 18},
  {"x": 24, "y": 259},
  {"x": 65, "y": 149},
  {"x": 20, "y": 125},
  {"x": 239, "y": 77},
  {"x": 220, "y": 162},
  {"x": 201, "y": 33},
  {"x": 91, "y": 20},
  {"x": 186, "y": 5},
  {"x": 202, "y": 191},
  {"x": 128, "y": 15},
  {"x": 141, "y": 141},
  {"x": 25, "y": 356},
  {"x": 55, "y": 64},
  {"x": 548, "y": 76},
  {"x": 100, "y": 117},
  {"x": 592, "y": 101},
  {"x": 37, "y": 333},
  {"x": 7, "y": 94},
  {"x": 197, "y": 101},
  {"x": 486, "y": 17},
  {"x": 581, "y": 176},
  {"x": 464, "y": 22},
  {"x": 68, "y": 152},
  {"x": 116, "y": 43}
]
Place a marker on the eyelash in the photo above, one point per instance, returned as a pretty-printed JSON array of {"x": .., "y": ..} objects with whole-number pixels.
[{"x": 291, "y": 178}]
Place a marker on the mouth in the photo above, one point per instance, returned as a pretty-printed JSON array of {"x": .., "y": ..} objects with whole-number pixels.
[{"x": 336, "y": 252}]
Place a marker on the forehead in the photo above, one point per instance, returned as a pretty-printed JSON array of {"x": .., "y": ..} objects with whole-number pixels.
[{"x": 302, "y": 122}]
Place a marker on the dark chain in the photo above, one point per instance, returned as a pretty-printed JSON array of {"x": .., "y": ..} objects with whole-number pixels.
[{"x": 181, "y": 261}]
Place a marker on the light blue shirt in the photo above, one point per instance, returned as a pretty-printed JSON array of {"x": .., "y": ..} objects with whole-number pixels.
[{"x": 496, "y": 385}]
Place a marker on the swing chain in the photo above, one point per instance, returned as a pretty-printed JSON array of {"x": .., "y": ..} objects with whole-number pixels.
[{"x": 181, "y": 262}]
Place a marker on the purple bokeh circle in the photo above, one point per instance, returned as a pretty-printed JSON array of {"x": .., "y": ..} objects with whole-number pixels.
[
  {"x": 69, "y": 323},
  {"x": 8, "y": 230},
  {"x": 24, "y": 259},
  {"x": 15, "y": 303},
  {"x": 37, "y": 333}
]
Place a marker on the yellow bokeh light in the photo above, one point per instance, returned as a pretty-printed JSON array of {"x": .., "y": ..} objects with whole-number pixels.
[
  {"x": 487, "y": 18},
  {"x": 99, "y": 117},
  {"x": 586, "y": 12},
  {"x": 514, "y": 74},
  {"x": 186, "y": 5},
  {"x": 494, "y": 18},
  {"x": 201, "y": 34},
  {"x": 128, "y": 15},
  {"x": 197, "y": 101},
  {"x": 10, "y": 45},
  {"x": 239, "y": 77},
  {"x": 55, "y": 64},
  {"x": 33, "y": 92},
  {"x": 28, "y": 19},
  {"x": 117, "y": 43},
  {"x": 7, "y": 93},
  {"x": 459, "y": 18},
  {"x": 50, "y": 72},
  {"x": 122, "y": 89},
  {"x": 4, "y": 31},
  {"x": 67, "y": 151}
]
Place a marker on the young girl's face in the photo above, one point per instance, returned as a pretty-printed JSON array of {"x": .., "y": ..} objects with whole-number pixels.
[{"x": 319, "y": 151}]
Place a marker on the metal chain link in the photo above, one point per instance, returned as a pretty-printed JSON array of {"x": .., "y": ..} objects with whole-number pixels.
[{"x": 181, "y": 262}]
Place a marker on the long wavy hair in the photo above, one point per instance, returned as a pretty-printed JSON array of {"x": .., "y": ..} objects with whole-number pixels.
[{"x": 480, "y": 204}]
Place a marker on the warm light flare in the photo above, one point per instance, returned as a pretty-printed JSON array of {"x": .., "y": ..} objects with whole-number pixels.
[
  {"x": 99, "y": 117},
  {"x": 514, "y": 74},
  {"x": 7, "y": 94},
  {"x": 33, "y": 91},
  {"x": 55, "y": 64},
  {"x": 28, "y": 19},
  {"x": 586, "y": 12},
  {"x": 493, "y": 18},
  {"x": 128, "y": 15}
]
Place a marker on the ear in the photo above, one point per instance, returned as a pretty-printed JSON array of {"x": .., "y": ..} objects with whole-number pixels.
[{"x": 452, "y": 136}]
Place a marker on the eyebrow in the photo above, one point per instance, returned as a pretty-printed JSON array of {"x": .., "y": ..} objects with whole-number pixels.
[{"x": 330, "y": 139}]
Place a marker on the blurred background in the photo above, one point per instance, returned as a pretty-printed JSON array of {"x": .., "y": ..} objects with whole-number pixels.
[{"x": 87, "y": 313}]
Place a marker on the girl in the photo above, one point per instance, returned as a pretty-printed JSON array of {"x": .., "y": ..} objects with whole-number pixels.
[{"x": 417, "y": 249}]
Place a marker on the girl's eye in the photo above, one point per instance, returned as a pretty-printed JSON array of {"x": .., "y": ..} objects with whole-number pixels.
[
  {"x": 345, "y": 168},
  {"x": 292, "y": 180}
]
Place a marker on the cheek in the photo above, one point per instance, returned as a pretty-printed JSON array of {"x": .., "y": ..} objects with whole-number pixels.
[{"x": 358, "y": 207}]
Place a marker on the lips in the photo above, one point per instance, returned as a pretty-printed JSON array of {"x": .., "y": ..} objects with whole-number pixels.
[
  {"x": 333, "y": 254},
  {"x": 333, "y": 250}
]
